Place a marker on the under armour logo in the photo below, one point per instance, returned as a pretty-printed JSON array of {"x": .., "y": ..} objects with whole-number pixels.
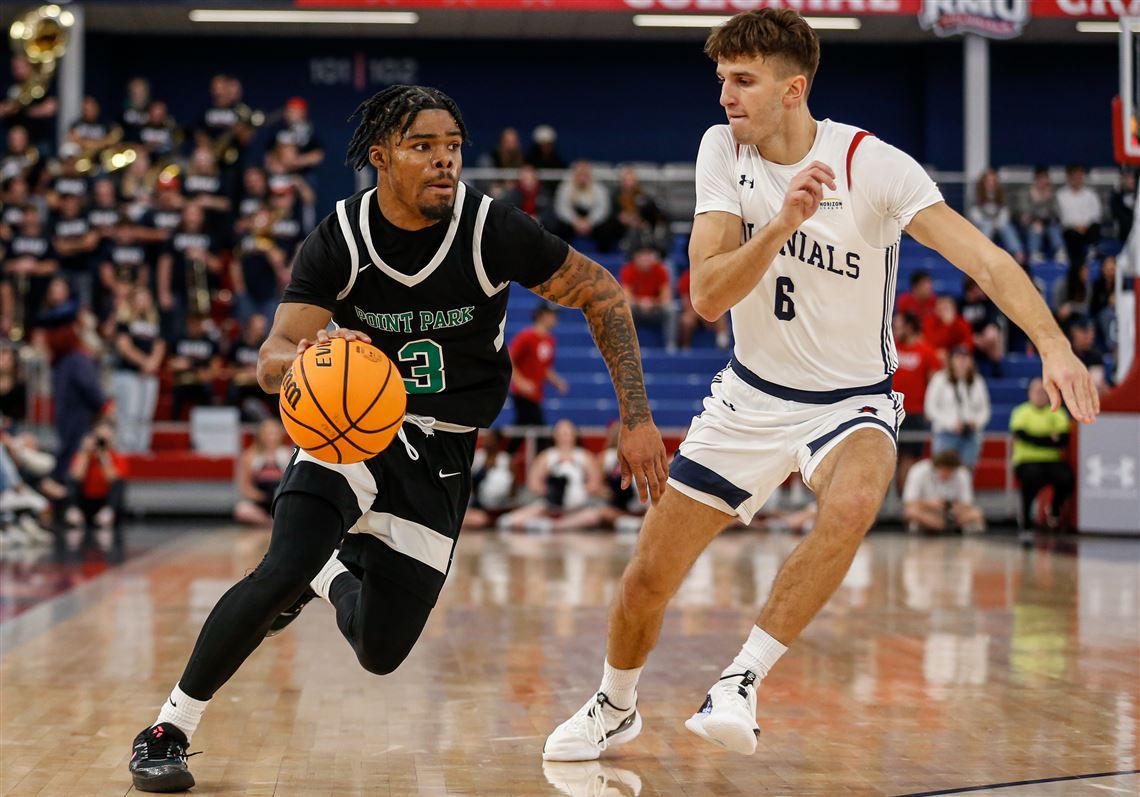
[
  {"x": 1122, "y": 472},
  {"x": 744, "y": 178},
  {"x": 868, "y": 410}
]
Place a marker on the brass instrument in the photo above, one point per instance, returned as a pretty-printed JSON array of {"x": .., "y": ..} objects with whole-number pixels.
[
  {"x": 198, "y": 287},
  {"x": 41, "y": 37},
  {"x": 262, "y": 235},
  {"x": 21, "y": 284},
  {"x": 88, "y": 155},
  {"x": 224, "y": 148},
  {"x": 121, "y": 154},
  {"x": 118, "y": 157}
]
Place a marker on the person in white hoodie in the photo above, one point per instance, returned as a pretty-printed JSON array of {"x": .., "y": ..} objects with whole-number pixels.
[{"x": 958, "y": 407}]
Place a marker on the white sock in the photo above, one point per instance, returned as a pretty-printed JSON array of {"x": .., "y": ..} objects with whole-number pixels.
[
  {"x": 324, "y": 579},
  {"x": 759, "y": 654},
  {"x": 620, "y": 686},
  {"x": 182, "y": 711}
]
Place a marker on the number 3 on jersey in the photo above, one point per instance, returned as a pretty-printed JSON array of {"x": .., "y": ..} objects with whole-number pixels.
[
  {"x": 785, "y": 307},
  {"x": 426, "y": 357}
]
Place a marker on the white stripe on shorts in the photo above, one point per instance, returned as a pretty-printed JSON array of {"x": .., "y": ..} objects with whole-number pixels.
[
  {"x": 359, "y": 479},
  {"x": 407, "y": 537}
]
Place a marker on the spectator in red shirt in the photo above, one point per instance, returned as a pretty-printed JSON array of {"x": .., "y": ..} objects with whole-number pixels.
[
  {"x": 690, "y": 320},
  {"x": 532, "y": 357},
  {"x": 96, "y": 475},
  {"x": 647, "y": 287},
  {"x": 920, "y": 300},
  {"x": 528, "y": 196},
  {"x": 945, "y": 329},
  {"x": 917, "y": 363}
]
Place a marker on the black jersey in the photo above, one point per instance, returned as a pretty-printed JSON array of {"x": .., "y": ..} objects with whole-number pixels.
[{"x": 433, "y": 300}]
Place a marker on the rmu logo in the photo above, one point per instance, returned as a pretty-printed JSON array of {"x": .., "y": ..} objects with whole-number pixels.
[{"x": 994, "y": 19}]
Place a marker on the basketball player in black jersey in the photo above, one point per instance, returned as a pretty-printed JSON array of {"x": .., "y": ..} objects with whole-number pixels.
[{"x": 418, "y": 266}]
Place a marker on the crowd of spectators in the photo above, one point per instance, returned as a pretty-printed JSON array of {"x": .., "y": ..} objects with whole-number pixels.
[
  {"x": 951, "y": 345},
  {"x": 1072, "y": 227},
  {"x": 156, "y": 250},
  {"x": 150, "y": 249}
]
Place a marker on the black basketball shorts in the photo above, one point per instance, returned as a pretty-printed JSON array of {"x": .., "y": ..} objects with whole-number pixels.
[{"x": 403, "y": 508}]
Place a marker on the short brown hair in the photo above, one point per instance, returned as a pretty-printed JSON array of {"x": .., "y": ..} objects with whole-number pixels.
[
  {"x": 768, "y": 33},
  {"x": 948, "y": 459}
]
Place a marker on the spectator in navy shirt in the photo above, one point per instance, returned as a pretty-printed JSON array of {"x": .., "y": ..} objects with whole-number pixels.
[{"x": 77, "y": 396}]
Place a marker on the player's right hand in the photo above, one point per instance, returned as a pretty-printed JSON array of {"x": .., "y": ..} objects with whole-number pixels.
[
  {"x": 324, "y": 337},
  {"x": 805, "y": 192}
]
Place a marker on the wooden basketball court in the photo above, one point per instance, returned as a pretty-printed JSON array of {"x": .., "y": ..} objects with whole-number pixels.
[{"x": 941, "y": 666}]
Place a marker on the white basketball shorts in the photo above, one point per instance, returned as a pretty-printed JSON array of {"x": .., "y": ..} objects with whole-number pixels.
[{"x": 753, "y": 434}]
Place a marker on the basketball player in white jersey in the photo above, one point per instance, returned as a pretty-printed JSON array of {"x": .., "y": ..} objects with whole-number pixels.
[{"x": 797, "y": 232}]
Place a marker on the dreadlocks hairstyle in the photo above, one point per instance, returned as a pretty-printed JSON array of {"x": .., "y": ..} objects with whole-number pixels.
[{"x": 394, "y": 110}]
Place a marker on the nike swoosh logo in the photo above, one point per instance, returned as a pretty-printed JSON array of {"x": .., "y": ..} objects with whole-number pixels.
[
  {"x": 172, "y": 703},
  {"x": 443, "y": 475}
]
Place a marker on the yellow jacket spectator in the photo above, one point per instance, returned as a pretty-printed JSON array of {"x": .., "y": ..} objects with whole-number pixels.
[{"x": 1040, "y": 439}]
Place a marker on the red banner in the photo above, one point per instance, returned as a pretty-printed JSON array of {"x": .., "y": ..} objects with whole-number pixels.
[{"x": 1075, "y": 9}]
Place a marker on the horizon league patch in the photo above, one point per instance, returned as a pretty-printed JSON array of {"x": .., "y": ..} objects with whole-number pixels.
[{"x": 994, "y": 19}]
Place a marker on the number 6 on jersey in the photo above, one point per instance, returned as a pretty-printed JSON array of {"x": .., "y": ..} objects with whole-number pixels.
[{"x": 785, "y": 307}]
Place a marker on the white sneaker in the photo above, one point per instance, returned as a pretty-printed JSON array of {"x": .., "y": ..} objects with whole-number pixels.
[
  {"x": 34, "y": 531},
  {"x": 728, "y": 716},
  {"x": 590, "y": 779},
  {"x": 584, "y": 736}
]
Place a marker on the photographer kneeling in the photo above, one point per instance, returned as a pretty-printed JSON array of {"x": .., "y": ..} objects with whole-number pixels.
[
  {"x": 96, "y": 479},
  {"x": 939, "y": 496}
]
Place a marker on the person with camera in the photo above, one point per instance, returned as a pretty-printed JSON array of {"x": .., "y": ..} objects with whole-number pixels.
[
  {"x": 96, "y": 476},
  {"x": 939, "y": 496},
  {"x": 958, "y": 407}
]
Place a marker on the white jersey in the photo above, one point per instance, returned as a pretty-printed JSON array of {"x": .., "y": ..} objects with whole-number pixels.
[{"x": 818, "y": 324}]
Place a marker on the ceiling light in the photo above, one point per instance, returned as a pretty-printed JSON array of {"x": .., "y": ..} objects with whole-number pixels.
[
  {"x": 711, "y": 21},
  {"x": 1104, "y": 27},
  {"x": 285, "y": 15}
]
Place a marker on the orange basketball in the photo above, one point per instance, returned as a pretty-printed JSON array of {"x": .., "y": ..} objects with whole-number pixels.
[{"x": 343, "y": 401}]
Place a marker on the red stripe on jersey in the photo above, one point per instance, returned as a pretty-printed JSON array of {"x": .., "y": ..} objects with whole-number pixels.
[{"x": 862, "y": 134}]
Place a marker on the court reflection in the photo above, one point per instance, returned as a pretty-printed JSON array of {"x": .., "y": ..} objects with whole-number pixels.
[{"x": 939, "y": 663}]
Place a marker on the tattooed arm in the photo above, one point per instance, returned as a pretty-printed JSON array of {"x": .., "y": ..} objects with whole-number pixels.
[{"x": 584, "y": 284}]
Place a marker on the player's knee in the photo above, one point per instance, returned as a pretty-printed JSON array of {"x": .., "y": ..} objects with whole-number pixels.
[
  {"x": 643, "y": 588},
  {"x": 285, "y": 580},
  {"x": 859, "y": 508},
  {"x": 382, "y": 659}
]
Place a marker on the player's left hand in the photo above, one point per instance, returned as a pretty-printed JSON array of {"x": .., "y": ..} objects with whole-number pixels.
[
  {"x": 1066, "y": 377},
  {"x": 642, "y": 457}
]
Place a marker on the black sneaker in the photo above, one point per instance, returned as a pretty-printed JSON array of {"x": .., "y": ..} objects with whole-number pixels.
[
  {"x": 289, "y": 615},
  {"x": 159, "y": 760}
]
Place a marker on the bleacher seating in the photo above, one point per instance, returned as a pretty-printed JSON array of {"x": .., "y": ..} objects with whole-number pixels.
[{"x": 677, "y": 383}]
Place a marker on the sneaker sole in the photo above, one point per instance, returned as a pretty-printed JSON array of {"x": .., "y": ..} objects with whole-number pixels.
[
  {"x": 724, "y": 733},
  {"x": 165, "y": 783},
  {"x": 617, "y": 740}
]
